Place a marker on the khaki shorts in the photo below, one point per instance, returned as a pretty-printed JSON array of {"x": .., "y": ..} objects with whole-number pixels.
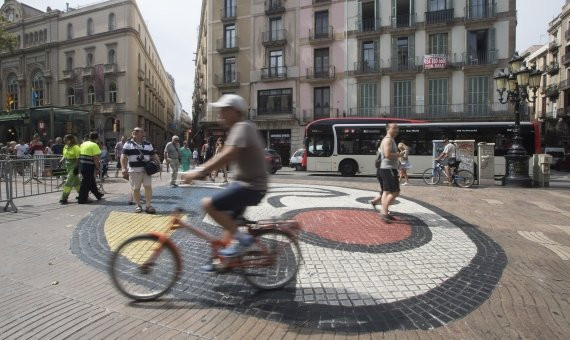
[{"x": 138, "y": 178}]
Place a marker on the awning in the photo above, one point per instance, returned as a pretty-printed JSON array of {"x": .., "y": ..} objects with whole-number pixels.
[{"x": 11, "y": 116}]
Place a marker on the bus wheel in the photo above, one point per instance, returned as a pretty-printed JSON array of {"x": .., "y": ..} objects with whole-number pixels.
[{"x": 348, "y": 168}]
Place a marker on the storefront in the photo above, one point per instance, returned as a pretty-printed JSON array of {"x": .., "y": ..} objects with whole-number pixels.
[{"x": 280, "y": 141}]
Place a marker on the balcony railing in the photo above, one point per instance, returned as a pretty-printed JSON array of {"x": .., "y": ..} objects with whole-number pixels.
[
  {"x": 89, "y": 71},
  {"x": 321, "y": 73},
  {"x": 566, "y": 58},
  {"x": 227, "y": 79},
  {"x": 322, "y": 34},
  {"x": 309, "y": 115},
  {"x": 564, "y": 85},
  {"x": 410, "y": 64},
  {"x": 366, "y": 67},
  {"x": 552, "y": 91},
  {"x": 367, "y": 25},
  {"x": 141, "y": 74},
  {"x": 228, "y": 13},
  {"x": 67, "y": 74},
  {"x": 447, "y": 112},
  {"x": 567, "y": 34},
  {"x": 438, "y": 17},
  {"x": 553, "y": 45},
  {"x": 482, "y": 11},
  {"x": 110, "y": 68},
  {"x": 282, "y": 113},
  {"x": 274, "y": 7},
  {"x": 563, "y": 112},
  {"x": 274, "y": 38},
  {"x": 227, "y": 45},
  {"x": 317, "y": 2},
  {"x": 552, "y": 68},
  {"x": 480, "y": 58},
  {"x": 274, "y": 72},
  {"x": 403, "y": 20}
]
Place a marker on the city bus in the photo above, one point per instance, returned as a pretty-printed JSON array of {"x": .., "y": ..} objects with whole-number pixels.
[{"x": 349, "y": 145}]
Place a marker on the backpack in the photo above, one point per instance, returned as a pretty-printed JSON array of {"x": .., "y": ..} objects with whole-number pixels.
[{"x": 209, "y": 152}]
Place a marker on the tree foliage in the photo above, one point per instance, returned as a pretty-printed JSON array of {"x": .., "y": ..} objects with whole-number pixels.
[{"x": 7, "y": 40}]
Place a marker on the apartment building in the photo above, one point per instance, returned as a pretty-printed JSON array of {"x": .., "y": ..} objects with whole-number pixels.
[
  {"x": 98, "y": 59},
  {"x": 420, "y": 59}
]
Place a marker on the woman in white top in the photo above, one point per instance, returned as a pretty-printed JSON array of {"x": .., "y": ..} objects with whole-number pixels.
[{"x": 404, "y": 162}]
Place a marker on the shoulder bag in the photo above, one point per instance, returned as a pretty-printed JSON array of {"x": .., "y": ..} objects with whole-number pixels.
[{"x": 150, "y": 167}]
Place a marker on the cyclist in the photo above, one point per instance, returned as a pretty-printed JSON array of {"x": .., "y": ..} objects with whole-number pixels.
[
  {"x": 447, "y": 157},
  {"x": 243, "y": 148}
]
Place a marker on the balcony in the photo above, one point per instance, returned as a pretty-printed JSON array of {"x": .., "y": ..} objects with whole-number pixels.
[
  {"x": 439, "y": 17},
  {"x": 409, "y": 65},
  {"x": 88, "y": 72},
  {"x": 141, "y": 74},
  {"x": 563, "y": 112},
  {"x": 553, "y": 45},
  {"x": 271, "y": 114},
  {"x": 67, "y": 74},
  {"x": 321, "y": 74},
  {"x": 564, "y": 85},
  {"x": 368, "y": 25},
  {"x": 274, "y": 38},
  {"x": 403, "y": 20},
  {"x": 321, "y": 35},
  {"x": 227, "y": 80},
  {"x": 552, "y": 91},
  {"x": 274, "y": 73},
  {"x": 566, "y": 58},
  {"x": 485, "y": 11},
  {"x": 227, "y": 45},
  {"x": 320, "y": 2},
  {"x": 552, "y": 68},
  {"x": 147, "y": 82},
  {"x": 366, "y": 67},
  {"x": 108, "y": 108},
  {"x": 228, "y": 13},
  {"x": 273, "y": 7},
  {"x": 309, "y": 115},
  {"x": 480, "y": 58},
  {"x": 567, "y": 34},
  {"x": 110, "y": 68}
]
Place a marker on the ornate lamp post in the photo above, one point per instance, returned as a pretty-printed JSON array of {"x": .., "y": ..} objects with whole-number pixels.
[{"x": 516, "y": 82}]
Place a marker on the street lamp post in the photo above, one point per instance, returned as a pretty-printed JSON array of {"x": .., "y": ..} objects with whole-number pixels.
[{"x": 516, "y": 83}]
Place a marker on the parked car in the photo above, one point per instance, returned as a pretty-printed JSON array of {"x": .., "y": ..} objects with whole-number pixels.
[
  {"x": 563, "y": 164},
  {"x": 273, "y": 161},
  {"x": 295, "y": 161},
  {"x": 556, "y": 153}
]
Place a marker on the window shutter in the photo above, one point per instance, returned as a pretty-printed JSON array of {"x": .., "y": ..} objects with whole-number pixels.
[
  {"x": 448, "y": 4},
  {"x": 377, "y": 14},
  {"x": 393, "y": 13},
  {"x": 376, "y": 54},
  {"x": 412, "y": 49},
  {"x": 394, "y": 56},
  {"x": 359, "y": 23},
  {"x": 492, "y": 53}
]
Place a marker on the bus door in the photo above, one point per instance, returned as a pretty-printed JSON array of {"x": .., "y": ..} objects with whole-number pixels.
[{"x": 319, "y": 151}]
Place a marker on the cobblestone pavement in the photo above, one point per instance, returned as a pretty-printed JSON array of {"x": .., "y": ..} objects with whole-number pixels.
[{"x": 479, "y": 263}]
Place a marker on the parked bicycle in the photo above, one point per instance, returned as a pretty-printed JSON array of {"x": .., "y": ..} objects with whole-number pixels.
[
  {"x": 462, "y": 178},
  {"x": 146, "y": 266}
]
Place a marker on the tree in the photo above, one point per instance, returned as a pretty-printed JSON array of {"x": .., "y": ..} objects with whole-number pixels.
[{"x": 7, "y": 40}]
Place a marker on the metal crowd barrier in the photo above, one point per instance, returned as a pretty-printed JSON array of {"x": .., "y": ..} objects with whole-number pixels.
[{"x": 29, "y": 176}]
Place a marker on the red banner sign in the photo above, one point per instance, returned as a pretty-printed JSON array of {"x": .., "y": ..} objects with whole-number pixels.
[{"x": 434, "y": 61}]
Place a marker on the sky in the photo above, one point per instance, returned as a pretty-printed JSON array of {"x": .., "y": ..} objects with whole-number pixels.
[{"x": 175, "y": 31}]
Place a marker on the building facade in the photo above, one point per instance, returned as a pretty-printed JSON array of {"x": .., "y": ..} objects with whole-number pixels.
[
  {"x": 311, "y": 59},
  {"x": 99, "y": 58}
]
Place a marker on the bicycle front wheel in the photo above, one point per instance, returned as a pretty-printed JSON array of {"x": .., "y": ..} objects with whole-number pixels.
[
  {"x": 431, "y": 176},
  {"x": 143, "y": 269},
  {"x": 464, "y": 178},
  {"x": 275, "y": 263}
]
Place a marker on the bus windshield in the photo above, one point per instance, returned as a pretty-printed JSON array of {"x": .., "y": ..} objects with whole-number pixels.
[{"x": 320, "y": 145}]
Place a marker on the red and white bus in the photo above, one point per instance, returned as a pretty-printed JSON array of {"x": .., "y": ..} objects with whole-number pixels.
[{"x": 348, "y": 145}]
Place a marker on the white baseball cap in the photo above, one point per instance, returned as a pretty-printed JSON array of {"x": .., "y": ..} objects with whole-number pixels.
[{"x": 231, "y": 100}]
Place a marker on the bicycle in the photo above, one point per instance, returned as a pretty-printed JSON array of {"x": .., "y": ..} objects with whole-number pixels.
[
  {"x": 462, "y": 178},
  {"x": 146, "y": 266}
]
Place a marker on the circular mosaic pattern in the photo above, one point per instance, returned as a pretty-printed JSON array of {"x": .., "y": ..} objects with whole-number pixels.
[{"x": 434, "y": 269}]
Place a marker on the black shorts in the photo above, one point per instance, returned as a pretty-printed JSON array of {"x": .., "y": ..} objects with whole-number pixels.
[
  {"x": 389, "y": 180},
  {"x": 236, "y": 198}
]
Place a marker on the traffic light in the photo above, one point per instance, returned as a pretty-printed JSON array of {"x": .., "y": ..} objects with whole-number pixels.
[{"x": 117, "y": 126}]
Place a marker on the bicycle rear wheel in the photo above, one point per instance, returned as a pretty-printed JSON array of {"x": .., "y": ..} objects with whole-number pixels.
[
  {"x": 143, "y": 269},
  {"x": 431, "y": 176},
  {"x": 464, "y": 178},
  {"x": 276, "y": 262}
]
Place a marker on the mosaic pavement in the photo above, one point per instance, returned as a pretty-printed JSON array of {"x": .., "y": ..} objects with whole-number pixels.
[{"x": 358, "y": 274}]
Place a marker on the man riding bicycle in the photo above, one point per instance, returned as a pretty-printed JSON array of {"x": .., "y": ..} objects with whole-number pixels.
[
  {"x": 243, "y": 148},
  {"x": 447, "y": 157}
]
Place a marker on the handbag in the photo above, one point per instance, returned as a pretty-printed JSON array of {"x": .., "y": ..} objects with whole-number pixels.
[
  {"x": 151, "y": 167},
  {"x": 378, "y": 161}
]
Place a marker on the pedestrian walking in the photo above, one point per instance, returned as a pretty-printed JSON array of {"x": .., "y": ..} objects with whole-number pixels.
[
  {"x": 209, "y": 152},
  {"x": 172, "y": 158},
  {"x": 378, "y": 199},
  {"x": 104, "y": 161},
  {"x": 89, "y": 162},
  {"x": 136, "y": 153},
  {"x": 71, "y": 153},
  {"x": 58, "y": 146},
  {"x": 118, "y": 153},
  {"x": 195, "y": 158},
  {"x": 219, "y": 147},
  {"x": 404, "y": 163},
  {"x": 389, "y": 170},
  {"x": 37, "y": 151},
  {"x": 185, "y": 156}
]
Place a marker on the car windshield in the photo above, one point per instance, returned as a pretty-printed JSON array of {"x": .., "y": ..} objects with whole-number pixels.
[{"x": 556, "y": 154}]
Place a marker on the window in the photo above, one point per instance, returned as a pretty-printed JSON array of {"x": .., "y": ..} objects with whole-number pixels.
[
  {"x": 69, "y": 63},
  {"x": 230, "y": 36},
  {"x": 321, "y": 102},
  {"x": 478, "y": 9},
  {"x": 113, "y": 93},
  {"x": 112, "y": 23},
  {"x": 36, "y": 37},
  {"x": 139, "y": 96},
  {"x": 477, "y": 95},
  {"x": 230, "y": 70},
  {"x": 481, "y": 47},
  {"x": 437, "y": 96},
  {"x": 357, "y": 140},
  {"x": 69, "y": 31},
  {"x": 38, "y": 89},
  {"x": 275, "y": 28},
  {"x": 402, "y": 97},
  {"x": 41, "y": 36},
  {"x": 403, "y": 56},
  {"x": 90, "y": 94},
  {"x": 368, "y": 99},
  {"x": 438, "y": 43},
  {"x": 368, "y": 56},
  {"x": 90, "y": 28},
  {"x": 229, "y": 8},
  {"x": 12, "y": 95},
  {"x": 89, "y": 59},
  {"x": 321, "y": 62},
  {"x": 277, "y": 101},
  {"x": 321, "y": 24},
  {"x": 111, "y": 57},
  {"x": 70, "y": 97},
  {"x": 436, "y": 5}
]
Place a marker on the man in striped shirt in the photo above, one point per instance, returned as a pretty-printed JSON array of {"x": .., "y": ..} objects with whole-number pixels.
[{"x": 136, "y": 152}]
